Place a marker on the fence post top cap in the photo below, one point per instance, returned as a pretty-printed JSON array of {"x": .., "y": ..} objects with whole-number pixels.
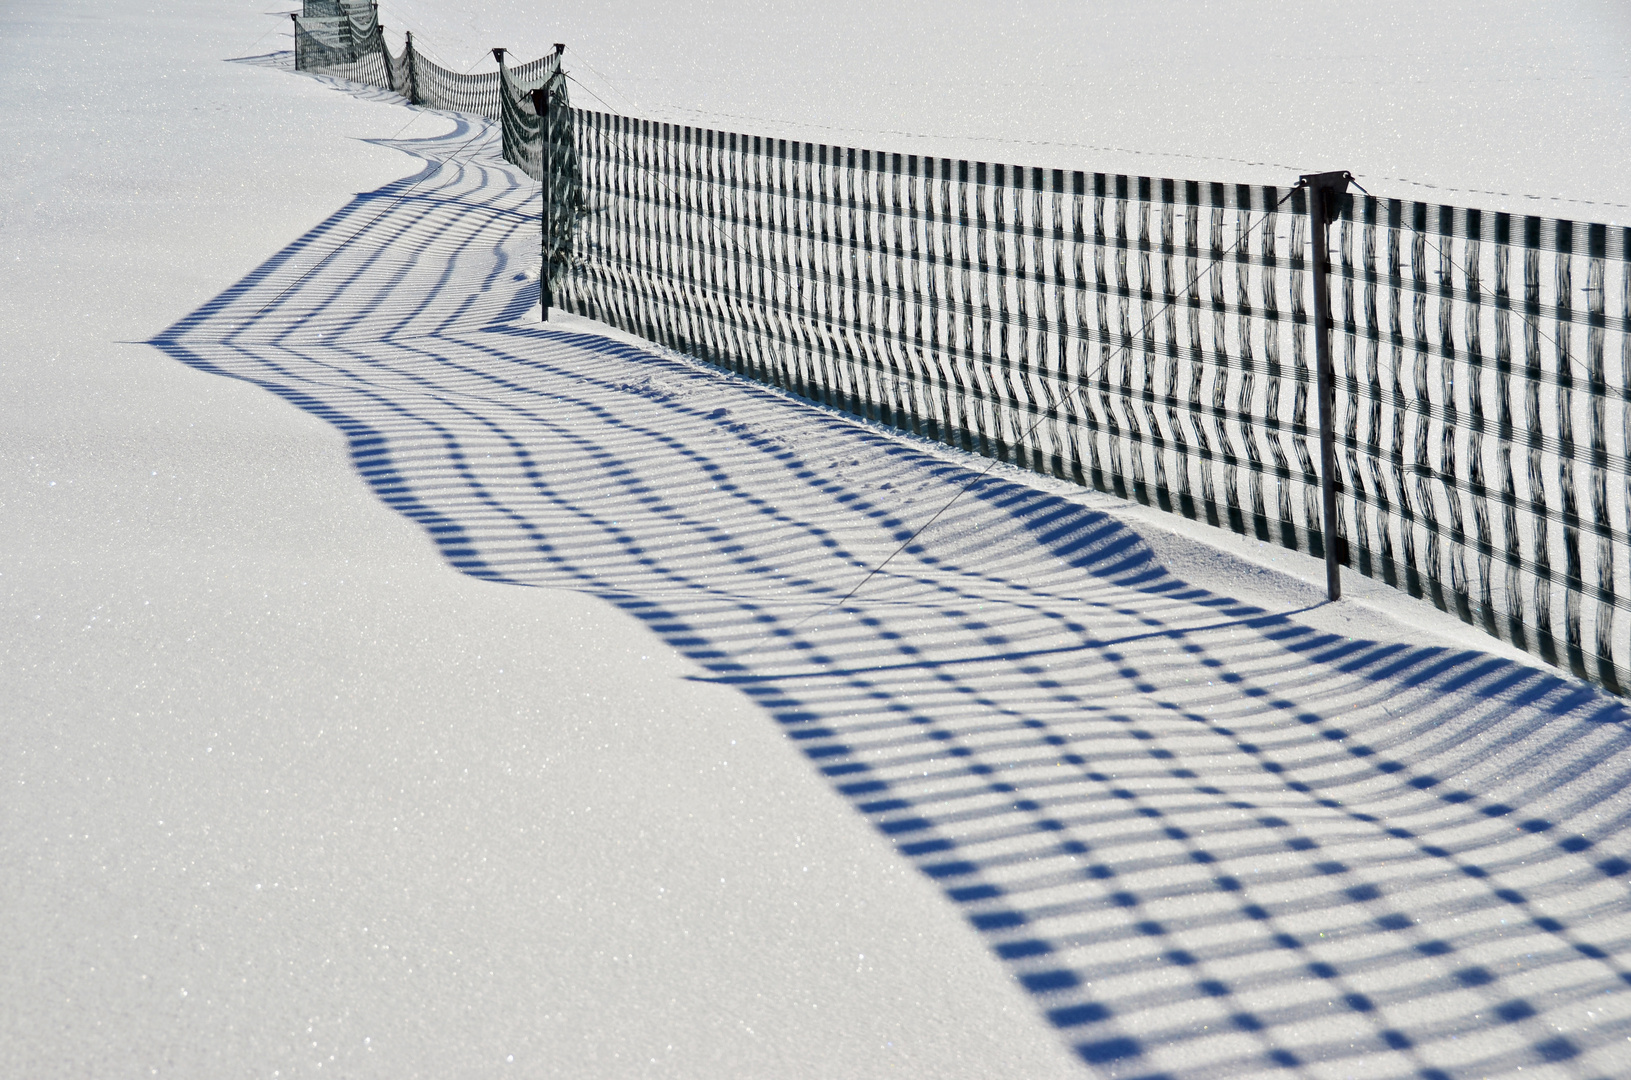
[{"x": 1330, "y": 180}]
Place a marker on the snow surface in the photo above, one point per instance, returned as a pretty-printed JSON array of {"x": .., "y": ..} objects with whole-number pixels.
[
  {"x": 1506, "y": 104},
  {"x": 284, "y": 795},
  {"x": 442, "y": 693}
]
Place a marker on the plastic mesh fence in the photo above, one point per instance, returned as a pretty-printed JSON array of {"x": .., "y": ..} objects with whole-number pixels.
[
  {"x": 1485, "y": 418},
  {"x": 1153, "y": 338},
  {"x": 1147, "y": 337},
  {"x": 343, "y": 38}
]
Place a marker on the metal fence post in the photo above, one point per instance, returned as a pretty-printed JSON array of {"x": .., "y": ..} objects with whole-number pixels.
[
  {"x": 384, "y": 52},
  {"x": 413, "y": 79},
  {"x": 540, "y": 105},
  {"x": 1323, "y": 191}
]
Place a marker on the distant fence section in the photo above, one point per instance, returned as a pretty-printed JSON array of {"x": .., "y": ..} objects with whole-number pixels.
[
  {"x": 1142, "y": 336},
  {"x": 344, "y": 38}
]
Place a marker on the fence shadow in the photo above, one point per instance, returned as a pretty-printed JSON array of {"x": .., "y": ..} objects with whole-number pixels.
[{"x": 1210, "y": 839}]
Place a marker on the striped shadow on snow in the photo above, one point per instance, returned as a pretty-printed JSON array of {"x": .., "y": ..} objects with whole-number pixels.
[{"x": 1211, "y": 840}]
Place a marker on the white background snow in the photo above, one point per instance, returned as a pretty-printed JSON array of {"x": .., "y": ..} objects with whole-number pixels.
[
  {"x": 286, "y": 794},
  {"x": 1500, "y": 105}
]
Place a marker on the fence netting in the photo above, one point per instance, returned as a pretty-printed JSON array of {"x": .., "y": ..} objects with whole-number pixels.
[
  {"x": 1147, "y": 337},
  {"x": 343, "y": 38},
  {"x": 1484, "y": 386},
  {"x": 1153, "y": 338}
]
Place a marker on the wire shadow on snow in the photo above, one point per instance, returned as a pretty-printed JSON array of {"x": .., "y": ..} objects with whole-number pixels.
[{"x": 1210, "y": 840}]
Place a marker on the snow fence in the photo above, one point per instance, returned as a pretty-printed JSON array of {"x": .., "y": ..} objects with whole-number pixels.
[{"x": 1148, "y": 337}]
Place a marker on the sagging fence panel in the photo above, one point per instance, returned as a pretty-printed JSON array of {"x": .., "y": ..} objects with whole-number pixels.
[
  {"x": 1147, "y": 337},
  {"x": 343, "y": 38}
]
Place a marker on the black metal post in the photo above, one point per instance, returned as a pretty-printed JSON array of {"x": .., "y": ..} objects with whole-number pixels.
[
  {"x": 540, "y": 105},
  {"x": 498, "y": 54},
  {"x": 1323, "y": 191},
  {"x": 413, "y": 79},
  {"x": 384, "y": 51}
]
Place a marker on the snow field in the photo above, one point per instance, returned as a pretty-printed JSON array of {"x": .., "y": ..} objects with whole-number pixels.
[
  {"x": 288, "y": 796},
  {"x": 1211, "y": 836}
]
